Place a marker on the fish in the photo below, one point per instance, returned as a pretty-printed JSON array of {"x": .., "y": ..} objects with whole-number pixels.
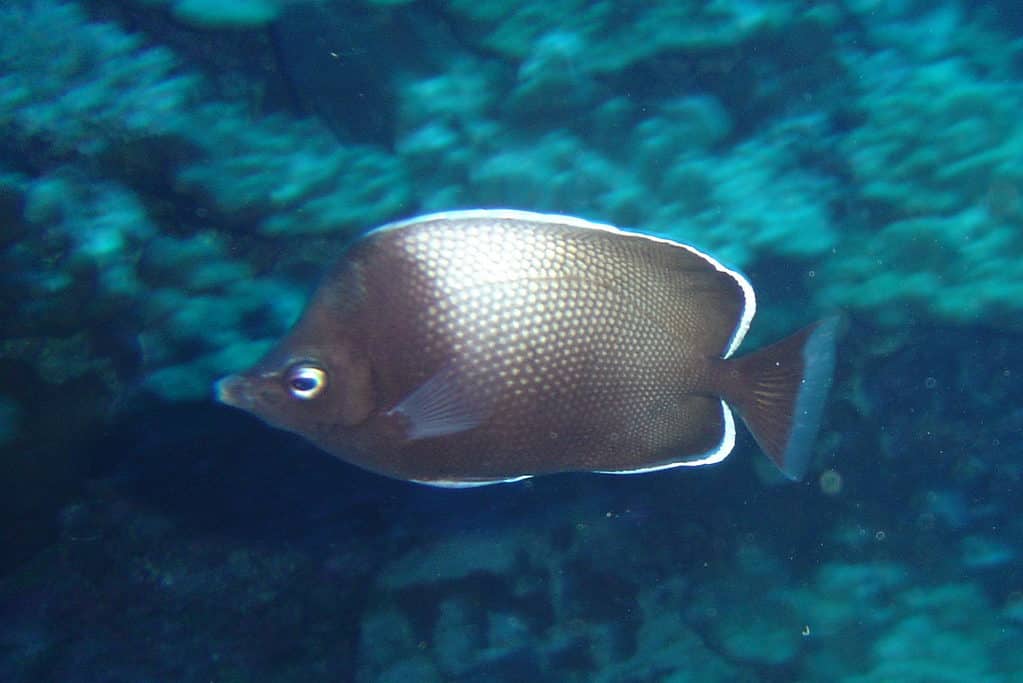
[{"x": 486, "y": 346}]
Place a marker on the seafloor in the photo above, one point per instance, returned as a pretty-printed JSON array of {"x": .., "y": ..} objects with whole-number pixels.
[{"x": 175, "y": 175}]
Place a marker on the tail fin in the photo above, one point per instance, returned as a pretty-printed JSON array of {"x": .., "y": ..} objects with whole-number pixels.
[{"x": 780, "y": 393}]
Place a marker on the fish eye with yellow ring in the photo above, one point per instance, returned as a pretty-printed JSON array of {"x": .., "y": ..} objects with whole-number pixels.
[{"x": 306, "y": 381}]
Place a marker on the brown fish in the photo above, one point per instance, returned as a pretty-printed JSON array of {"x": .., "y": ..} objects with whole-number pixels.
[{"x": 476, "y": 347}]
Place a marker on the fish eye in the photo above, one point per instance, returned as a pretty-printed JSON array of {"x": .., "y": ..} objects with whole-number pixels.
[{"x": 306, "y": 381}]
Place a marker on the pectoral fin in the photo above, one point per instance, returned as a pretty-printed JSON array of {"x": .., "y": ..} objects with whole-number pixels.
[{"x": 441, "y": 406}]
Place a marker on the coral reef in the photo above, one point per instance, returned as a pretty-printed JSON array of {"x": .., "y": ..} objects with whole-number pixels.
[
  {"x": 760, "y": 182},
  {"x": 335, "y": 573},
  {"x": 113, "y": 113}
]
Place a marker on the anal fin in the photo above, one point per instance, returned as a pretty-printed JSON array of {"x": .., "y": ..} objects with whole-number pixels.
[{"x": 469, "y": 483}]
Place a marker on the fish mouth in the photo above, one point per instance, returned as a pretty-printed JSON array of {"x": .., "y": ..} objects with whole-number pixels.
[{"x": 233, "y": 391}]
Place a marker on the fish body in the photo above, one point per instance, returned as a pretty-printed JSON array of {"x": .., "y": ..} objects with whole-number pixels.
[{"x": 475, "y": 347}]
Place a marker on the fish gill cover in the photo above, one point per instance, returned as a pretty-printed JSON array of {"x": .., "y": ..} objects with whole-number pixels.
[{"x": 175, "y": 176}]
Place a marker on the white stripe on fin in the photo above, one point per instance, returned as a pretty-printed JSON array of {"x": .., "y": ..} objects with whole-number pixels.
[
  {"x": 749, "y": 307},
  {"x": 716, "y": 455},
  {"x": 469, "y": 483}
]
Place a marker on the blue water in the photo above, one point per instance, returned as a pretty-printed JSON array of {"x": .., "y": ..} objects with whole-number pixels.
[{"x": 176, "y": 174}]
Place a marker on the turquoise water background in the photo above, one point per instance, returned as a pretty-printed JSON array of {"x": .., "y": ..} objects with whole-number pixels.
[{"x": 176, "y": 174}]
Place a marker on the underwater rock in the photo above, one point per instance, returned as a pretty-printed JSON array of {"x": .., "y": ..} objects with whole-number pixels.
[
  {"x": 985, "y": 552},
  {"x": 454, "y": 559},
  {"x": 389, "y": 650},
  {"x": 619, "y": 36},
  {"x": 227, "y": 13},
  {"x": 943, "y": 633}
]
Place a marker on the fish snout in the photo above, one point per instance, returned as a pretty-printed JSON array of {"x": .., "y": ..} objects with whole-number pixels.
[{"x": 233, "y": 390}]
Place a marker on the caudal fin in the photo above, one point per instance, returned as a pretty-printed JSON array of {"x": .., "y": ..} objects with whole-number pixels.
[{"x": 780, "y": 393}]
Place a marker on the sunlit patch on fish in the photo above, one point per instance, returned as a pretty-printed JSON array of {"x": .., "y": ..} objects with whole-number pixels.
[{"x": 475, "y": 347}]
